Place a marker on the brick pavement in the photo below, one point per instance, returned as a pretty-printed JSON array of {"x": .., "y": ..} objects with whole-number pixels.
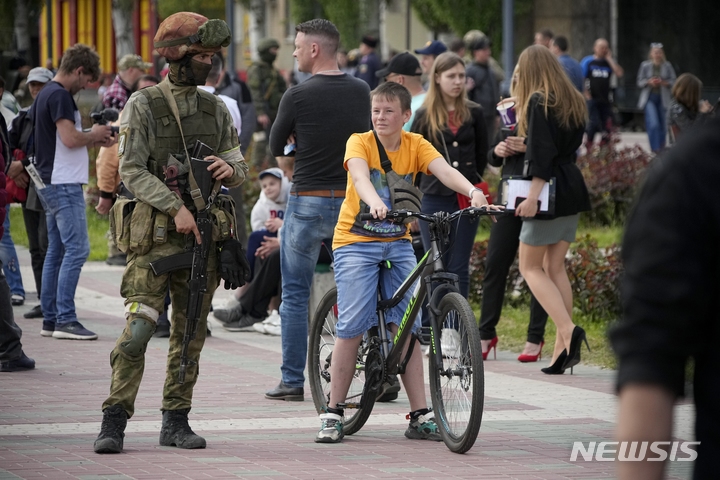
[{"x": 50, "y": 417}]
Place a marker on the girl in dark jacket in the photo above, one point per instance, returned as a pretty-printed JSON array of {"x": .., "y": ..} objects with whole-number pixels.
[
  {"x": 552, "y": 115},
  {"x": 456, "y": 128}
]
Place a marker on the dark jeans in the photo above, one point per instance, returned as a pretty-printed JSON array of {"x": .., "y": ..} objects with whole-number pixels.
[
  {"x": 462, "y": 238},
  {"x": 254, "y": 241},
  {"x": 10, "y": 333},
  {"x": 501, "y": 252},
  {"x": 266, "y": 284},
  {"x": 36, "y": 227},
  {"x": 600, "y": 118}
]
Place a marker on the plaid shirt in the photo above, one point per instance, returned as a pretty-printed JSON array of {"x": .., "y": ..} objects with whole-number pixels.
[{"x": 117, "y": 94}]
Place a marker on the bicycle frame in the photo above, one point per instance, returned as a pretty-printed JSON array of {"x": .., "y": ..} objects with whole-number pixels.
[{"x": 432, "y": 270}]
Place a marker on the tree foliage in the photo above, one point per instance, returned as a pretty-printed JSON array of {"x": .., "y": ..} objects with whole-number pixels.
[
  {"x": 209, "y": 8},
  {"x": 460, "y": 16}
]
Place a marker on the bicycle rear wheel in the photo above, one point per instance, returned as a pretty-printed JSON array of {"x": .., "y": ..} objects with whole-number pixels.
[
  {"x": 320, "y": 347},
  {"x": 457, "y": 389}
]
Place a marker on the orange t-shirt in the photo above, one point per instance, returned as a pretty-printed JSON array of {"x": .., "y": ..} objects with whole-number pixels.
[{"x": 413, "y": 156}]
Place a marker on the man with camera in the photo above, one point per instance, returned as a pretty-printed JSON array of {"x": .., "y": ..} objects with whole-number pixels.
[
  {"x": 59, "y": 171},
  {"x": 160, "y": 126}
]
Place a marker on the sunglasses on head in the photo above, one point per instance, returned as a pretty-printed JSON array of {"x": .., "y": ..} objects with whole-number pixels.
[{"x": 656, "y": 45}]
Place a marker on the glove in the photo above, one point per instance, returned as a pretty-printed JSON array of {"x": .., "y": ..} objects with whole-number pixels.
[{"x": 234, "y": 267}]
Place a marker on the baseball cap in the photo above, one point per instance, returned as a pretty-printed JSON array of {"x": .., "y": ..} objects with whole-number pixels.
[
  {"x": 132, "y": 60},
  {"x": 435, "y": 47},
  {"x": 402, "y": 64},
  {"x": 39, "y": 74},
  {"x": 275, "y": 172}
]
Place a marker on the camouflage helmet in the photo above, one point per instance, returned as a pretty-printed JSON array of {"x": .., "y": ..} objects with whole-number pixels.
[
  {"x": 186, "y": 33},
  {"x": 266, "y": 44}
]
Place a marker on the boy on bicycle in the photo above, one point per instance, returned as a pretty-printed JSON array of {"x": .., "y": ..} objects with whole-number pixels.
[{"x": 359, "y": 247}]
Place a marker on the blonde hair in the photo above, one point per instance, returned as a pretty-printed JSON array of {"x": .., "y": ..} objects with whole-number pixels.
[
  {"x": 539, "y": 71},
  {"x": 687, "y": 90},
  {"x": 436, "y": 118}
]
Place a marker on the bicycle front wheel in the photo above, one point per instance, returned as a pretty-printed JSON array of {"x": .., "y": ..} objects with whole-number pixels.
[
  {"x": 320, "y": 346},
  {"x": 457, "y": 388}
]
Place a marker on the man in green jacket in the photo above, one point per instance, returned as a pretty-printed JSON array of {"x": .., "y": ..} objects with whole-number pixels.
[{"x": 150, "y": 144}]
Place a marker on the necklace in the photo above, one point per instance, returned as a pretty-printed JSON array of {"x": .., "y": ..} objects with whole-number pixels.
[{"x": 329, "y": 71}]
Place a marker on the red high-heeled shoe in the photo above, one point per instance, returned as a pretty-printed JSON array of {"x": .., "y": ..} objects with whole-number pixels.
[
  {"x": 525, "y": 358},
  {"x": 493, "y": 347}
]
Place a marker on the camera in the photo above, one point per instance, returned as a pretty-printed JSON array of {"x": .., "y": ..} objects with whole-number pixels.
[{"x": 108, "y": 115}]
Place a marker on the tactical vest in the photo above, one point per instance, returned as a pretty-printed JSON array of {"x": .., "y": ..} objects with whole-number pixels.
[{"x": 168, "y": 140}]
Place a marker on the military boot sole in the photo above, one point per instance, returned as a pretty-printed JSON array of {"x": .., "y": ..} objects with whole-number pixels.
[{"x": 108, "y": 445}]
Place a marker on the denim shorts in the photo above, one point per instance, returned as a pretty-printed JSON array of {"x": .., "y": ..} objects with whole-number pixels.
[{"x": 357, "y": 274}]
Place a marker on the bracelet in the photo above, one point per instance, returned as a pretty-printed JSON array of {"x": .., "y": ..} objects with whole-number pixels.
[{"x": 473, "y": 190}]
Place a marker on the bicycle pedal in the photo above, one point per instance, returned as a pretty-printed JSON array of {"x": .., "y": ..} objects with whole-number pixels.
[{"x": 348, "y": 405}]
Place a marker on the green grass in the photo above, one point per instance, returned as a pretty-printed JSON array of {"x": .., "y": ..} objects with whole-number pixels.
[
  {"x": 605, "y": 236},
  {"x": 512, "y": 333},
  {"x": 97, "y": 229}
]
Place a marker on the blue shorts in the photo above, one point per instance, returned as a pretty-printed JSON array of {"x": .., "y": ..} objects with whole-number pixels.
[{"x": 357, "y": 273}]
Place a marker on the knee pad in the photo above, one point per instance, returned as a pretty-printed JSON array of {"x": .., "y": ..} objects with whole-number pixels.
[{"x": 140, "y": 331}]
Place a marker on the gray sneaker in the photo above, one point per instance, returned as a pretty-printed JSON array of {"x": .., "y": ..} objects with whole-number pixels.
[
  {"x": 423, "y": 427},
  {"x": 244, "y": 324},
  {"x": 228, "y": 315},
  {"x": 331, "y": 429}
]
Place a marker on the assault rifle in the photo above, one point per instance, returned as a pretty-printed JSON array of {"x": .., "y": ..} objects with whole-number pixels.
[{"x": 197, "y": 258}]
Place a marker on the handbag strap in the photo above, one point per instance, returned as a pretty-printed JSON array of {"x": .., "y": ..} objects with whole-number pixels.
[
  {"x": 384, "y": 160},
  {"x": 195, "y": 192}
]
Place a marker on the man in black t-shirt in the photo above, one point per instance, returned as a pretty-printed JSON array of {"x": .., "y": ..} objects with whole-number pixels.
[
  {"x": 670, "y": 314},
  {"x": 597, "y": 90},
  {"x": 318, "y": 115}
]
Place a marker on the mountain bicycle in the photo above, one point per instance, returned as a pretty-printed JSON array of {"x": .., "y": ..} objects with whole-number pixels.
[{"x": 456, "y": 376}]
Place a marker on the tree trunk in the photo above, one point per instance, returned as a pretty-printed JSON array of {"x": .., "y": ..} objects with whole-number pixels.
[{"x": 122, "y": 21}]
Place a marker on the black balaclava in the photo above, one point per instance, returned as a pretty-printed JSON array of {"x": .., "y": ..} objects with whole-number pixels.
[
  {"x": 188, "y": 72},
  {"x": 267, "y": 56}
]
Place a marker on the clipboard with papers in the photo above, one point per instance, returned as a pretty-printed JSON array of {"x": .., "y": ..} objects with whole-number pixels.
[{"x": 513, "y": 190}]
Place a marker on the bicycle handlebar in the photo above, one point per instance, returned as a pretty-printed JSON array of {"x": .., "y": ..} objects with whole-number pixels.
[{"x": 402, "y": 214}]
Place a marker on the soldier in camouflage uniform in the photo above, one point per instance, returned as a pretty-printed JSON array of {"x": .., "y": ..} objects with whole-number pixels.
[
  {"x": 267, "y": 87},
  {"x": 148, "y": 136}
]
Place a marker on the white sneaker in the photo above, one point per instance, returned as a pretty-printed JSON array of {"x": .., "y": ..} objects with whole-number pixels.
[
  {"x": 450, "y": 342},
  {"x": 271, "y": 321},
  {"x": 273, "y": 324}
]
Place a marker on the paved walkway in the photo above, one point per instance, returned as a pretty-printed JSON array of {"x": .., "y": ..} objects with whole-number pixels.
[{"x": 50, "y": 417}]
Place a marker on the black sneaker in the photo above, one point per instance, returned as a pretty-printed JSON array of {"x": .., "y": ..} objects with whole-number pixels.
[
  {"x": 17, "y": 300},
  {"x": 47, "y": 328},
  {"x": 73, "y": 331},
  {"x": 390, "y": 390},
  {"x": 18, "y": 365},
  {"x": 244, "y": 324},
  {"x": 35, "y": 312}
]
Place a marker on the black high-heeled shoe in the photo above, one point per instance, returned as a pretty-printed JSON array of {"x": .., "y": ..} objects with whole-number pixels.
[
  {"x": 573, "y": 358},
  {"x": 557, "y": 367}
]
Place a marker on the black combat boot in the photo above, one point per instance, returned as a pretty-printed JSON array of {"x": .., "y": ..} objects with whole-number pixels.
[
  {"x": 112, "y": 430},
  {"x": 176, "y": 432}
]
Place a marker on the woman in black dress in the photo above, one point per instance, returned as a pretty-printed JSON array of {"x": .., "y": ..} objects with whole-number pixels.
[{"x": 552, "y": 115}]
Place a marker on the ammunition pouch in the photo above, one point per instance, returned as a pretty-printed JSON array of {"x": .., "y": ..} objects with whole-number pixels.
[
  {"x": 224, "y": 221},
  {"x": 136, "y": 226}
]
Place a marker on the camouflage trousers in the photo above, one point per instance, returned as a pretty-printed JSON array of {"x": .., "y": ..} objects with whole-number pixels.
[{"x": 141, "y": 289}]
